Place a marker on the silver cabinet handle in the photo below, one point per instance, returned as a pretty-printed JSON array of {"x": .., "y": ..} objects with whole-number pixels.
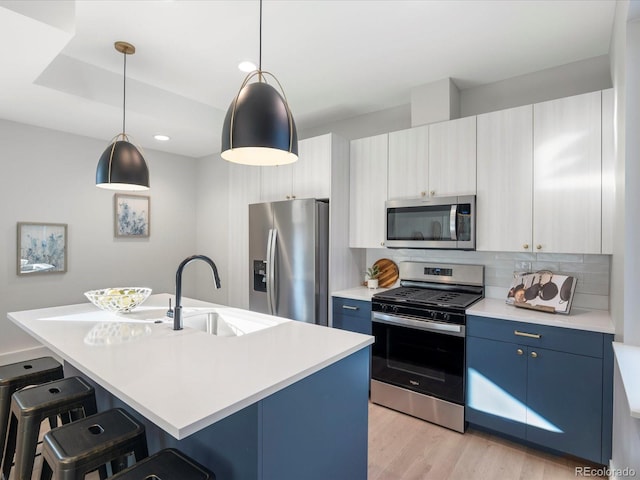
[
  {"x": 519, "y": 351},
  {"x": 349, "y": 307},
  {"x": 534, "y": 355},
  {"x": 525, "y": 334}
]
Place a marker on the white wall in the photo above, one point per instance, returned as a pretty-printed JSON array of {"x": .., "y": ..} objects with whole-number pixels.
[
  {"x": 563, "y": 81},
  {"x": 397, "y": 118},
  {"x": 212, "y": 226},
  {"x": 49, "y": 176},
  {"x": 632, "y": 176},
  {"x": 574, "y": 78},
  {"x": 617, "y": 56},
  {"x": 625, "y": 69}
]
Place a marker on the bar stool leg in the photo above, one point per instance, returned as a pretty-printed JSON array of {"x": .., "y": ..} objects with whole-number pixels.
[
  {"x": 10, "y": 447},
  {"x": 5, "y": 408},
  {"x": 26, "y": 442},
  {"x": 53, "y": 421},
  {"x": 46, "y": 472}
]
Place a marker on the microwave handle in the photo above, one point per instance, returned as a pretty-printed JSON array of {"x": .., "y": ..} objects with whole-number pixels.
[{"x": 453, "y": 214}]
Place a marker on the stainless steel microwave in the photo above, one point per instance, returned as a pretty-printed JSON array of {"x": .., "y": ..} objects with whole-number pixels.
[{"x": 439, "y": 223}]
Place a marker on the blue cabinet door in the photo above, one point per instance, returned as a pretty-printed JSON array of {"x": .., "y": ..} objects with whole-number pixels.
[
  {"x": 352, "y": 315},
  {"x": 564, "y": 400},
  {"x": 497, "y": 385}
]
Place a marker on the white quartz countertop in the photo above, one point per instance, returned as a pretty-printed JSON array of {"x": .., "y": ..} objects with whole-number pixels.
[
  {"x": 185, "y": 380},
  {"x": 358, "y": 293},
  {"x": 628, "y": 358},
  {"x": 578, "y": 319}
]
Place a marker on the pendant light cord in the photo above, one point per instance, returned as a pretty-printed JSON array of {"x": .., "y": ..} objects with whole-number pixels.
[
  {"x": 124, "y": 94},
  {"x": 260, "y": 48}
]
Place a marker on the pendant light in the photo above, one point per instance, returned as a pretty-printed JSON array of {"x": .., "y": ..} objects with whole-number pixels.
[
  {"x": 259, "y": 128},
  {"x": 122, "y": 166}
]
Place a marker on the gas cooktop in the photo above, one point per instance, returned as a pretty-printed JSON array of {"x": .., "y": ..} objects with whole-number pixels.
[{"x": 428, "y": 297}]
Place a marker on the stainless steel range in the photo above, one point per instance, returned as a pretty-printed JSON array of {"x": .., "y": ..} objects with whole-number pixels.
[{"x": 418, "y": 358}]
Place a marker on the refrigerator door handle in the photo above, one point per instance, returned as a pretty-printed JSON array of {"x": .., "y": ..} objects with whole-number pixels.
[
  {"x": 268, "y": 270},
  {"x": 271, "y": 286}
]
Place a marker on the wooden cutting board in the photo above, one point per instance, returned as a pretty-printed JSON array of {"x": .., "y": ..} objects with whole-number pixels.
[{"x": 388, "y": 272}]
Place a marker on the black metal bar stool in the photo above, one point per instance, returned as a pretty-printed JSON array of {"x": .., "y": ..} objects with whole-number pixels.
[
  {"x": 168, "y": 464},
  {"x": 71, "y": 398},
  {"x": 18, "y": 375},
  {"x": 71, "y": 451}
]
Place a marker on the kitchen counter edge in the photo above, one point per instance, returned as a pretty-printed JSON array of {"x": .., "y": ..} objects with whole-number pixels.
[
  {"x": 579, "y": 319},
  {"x": 358, "y": 293}
]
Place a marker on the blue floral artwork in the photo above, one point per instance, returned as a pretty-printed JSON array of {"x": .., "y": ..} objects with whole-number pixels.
[
  {"x": 131, "y": 216},
  {"x": 42, "y": 248}
]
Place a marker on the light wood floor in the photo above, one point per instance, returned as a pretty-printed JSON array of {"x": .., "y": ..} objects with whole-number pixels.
[{"x": 402, "y": 447}]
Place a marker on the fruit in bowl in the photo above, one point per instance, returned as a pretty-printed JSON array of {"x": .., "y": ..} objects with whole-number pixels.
[{"x": 119, "y": 300}]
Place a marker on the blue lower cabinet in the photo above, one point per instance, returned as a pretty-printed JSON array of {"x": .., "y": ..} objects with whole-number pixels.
[
  {"x": 497, "y": 386},
  {"x": 564, "y": 399},
  {"x": 557, "y": 399},
  {"x": 352, "y": 315}
]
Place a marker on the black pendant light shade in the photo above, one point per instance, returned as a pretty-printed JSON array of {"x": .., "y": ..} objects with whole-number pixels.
[
  {"x": 122, "y": 167},
  {"x": 259, "y": 128}
]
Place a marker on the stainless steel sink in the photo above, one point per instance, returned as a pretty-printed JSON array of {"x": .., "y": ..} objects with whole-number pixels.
[{"x": 229, "y": 322}]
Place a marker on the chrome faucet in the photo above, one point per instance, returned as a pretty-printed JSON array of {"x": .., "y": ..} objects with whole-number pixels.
[{"x": 177, "y": 311}]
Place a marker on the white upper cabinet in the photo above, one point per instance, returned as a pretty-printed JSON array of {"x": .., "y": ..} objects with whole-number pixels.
[
  {"x": 608, "y": 171},
  {"x": 276, "y": 182},
  {"x": 308, "y": 177},
  {"x": 452, "y": 157},
  {"x": 368, "y": 191},
  {"x": 409, "y": 163},
  {"x": 567, "y": 175},
  {"x": 312, "y": 171},
  {"x": 504, "y": 202}
]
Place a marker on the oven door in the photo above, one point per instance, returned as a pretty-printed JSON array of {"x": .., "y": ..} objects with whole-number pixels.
[{"x": 423, "y": 356}]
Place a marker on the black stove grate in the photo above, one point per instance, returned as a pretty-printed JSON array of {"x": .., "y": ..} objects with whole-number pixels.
[{"x": 428, "y": 296}]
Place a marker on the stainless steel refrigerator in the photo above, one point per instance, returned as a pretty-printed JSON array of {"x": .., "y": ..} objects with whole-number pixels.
[{"x": 288, "y": 259}]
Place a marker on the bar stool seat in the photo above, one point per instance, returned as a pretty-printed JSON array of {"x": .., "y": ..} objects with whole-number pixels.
[
  {"x": 167, "y": 464},
  {"x": 71, "y": 398},
  {"x": 18, "y": 375},
  {"x": 71, "y": 451}
]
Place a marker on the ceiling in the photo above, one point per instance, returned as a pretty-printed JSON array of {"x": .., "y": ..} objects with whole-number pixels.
[{"x": 334, "y": 59}]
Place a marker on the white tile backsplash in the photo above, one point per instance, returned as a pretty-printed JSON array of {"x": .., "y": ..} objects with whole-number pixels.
[{"x": 592, "y": 271}]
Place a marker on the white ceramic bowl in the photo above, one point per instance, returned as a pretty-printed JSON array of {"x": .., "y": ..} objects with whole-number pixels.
[{"x": 119, "y": 299}]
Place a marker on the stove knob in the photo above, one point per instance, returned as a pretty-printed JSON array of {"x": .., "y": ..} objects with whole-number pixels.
[
  {"x": 395, "y": 309},
  {"x": 446, "y": 317},
  {"x": 384, "y": 308}
]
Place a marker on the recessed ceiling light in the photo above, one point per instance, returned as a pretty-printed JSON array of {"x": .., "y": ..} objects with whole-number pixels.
[
  {"x": 247, "y": 66},
  {"x": 162, "y": 138}
]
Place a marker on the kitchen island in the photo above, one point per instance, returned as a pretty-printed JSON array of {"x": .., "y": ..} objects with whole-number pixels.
[{"x": 288, "y": 400}]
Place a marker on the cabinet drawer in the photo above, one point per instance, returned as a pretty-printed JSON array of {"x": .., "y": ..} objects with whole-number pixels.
[
  {"x": 542, "y": 336},
  {"x": 352, "y": 315},
  {"x": 353, "y": 308}
]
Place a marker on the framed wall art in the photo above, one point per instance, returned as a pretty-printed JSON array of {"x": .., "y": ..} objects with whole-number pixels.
[
  {"x": 132, "y": 216},
  {"x": 42, "y": 248}
]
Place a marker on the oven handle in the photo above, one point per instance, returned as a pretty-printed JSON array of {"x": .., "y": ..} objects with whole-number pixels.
[{"x": 444, "y": 328}]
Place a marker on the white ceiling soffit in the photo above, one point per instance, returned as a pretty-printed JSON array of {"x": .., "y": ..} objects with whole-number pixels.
[{"x": 335, "y": 59}]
